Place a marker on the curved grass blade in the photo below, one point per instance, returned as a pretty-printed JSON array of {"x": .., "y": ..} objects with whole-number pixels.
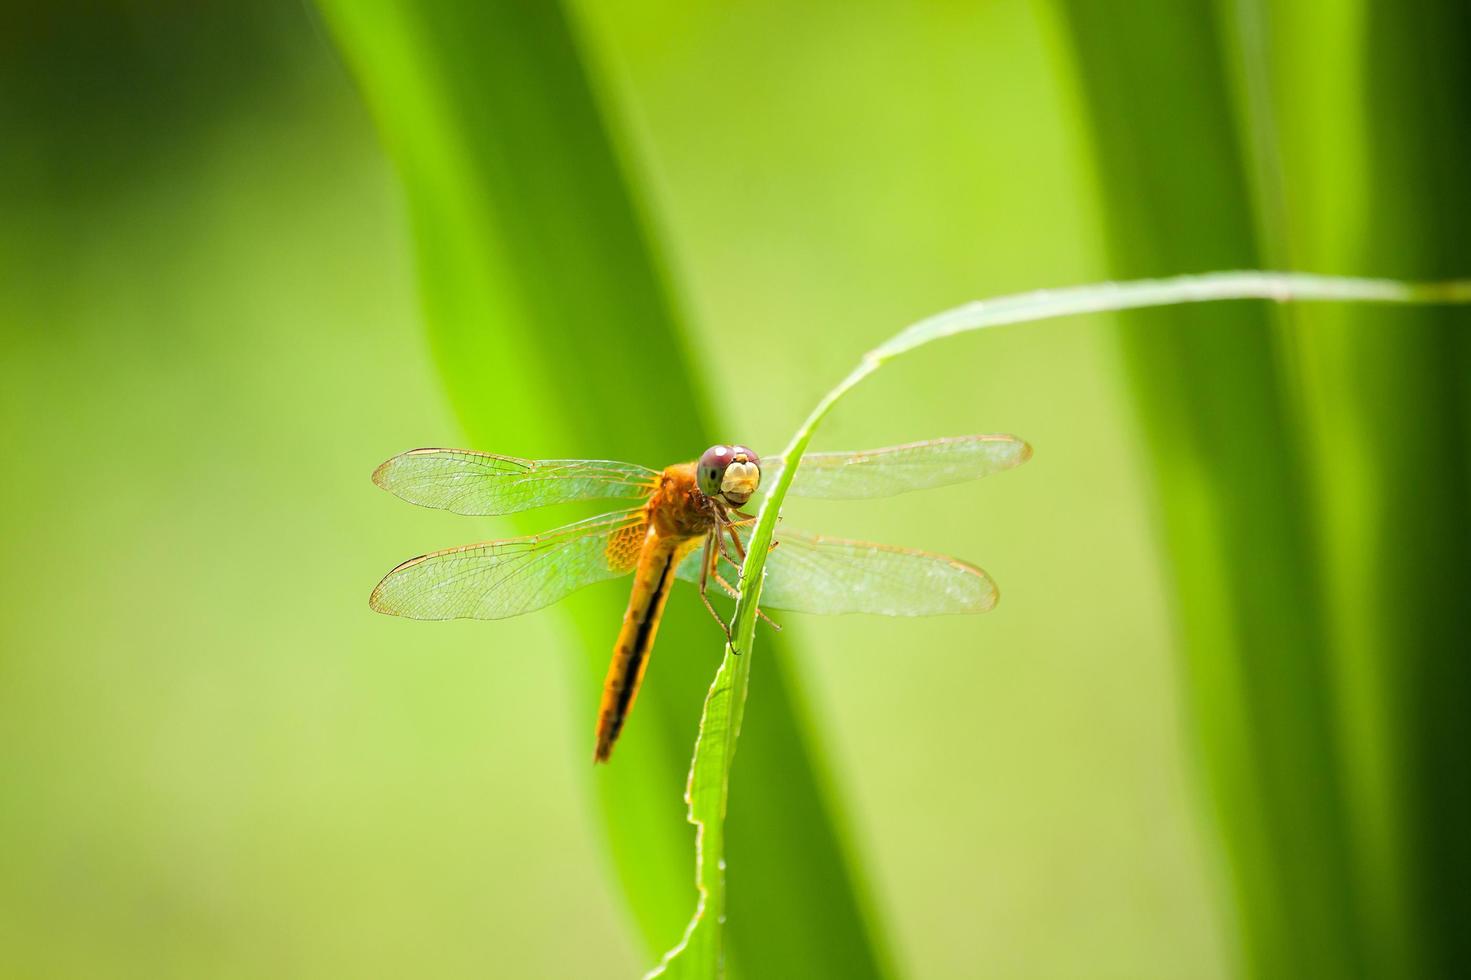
[{"x": 700, "y": 952}]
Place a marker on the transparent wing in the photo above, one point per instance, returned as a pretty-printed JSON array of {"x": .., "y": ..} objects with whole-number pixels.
[
  {"x": 468, "y": 482},
  {"x": 897, "y": 469},
  {"x": 499, "y": 579},
  {"x": 831, "y": 576}
]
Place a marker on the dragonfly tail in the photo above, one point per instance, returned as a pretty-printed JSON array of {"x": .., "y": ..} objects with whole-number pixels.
[{"x": 655, "y": 576}]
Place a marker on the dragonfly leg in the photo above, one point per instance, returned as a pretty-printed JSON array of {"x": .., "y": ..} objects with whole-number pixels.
[
  {"x": 746, "y": 519},
  {"x": 730, "y": 591},
  {"x": 725, "y": 549},
  {"x": 736, "y": 540},
  {"x": 729, "y": 527},
  {"x": 735, "y": 565},
  {"x": 708, "y": 561}
]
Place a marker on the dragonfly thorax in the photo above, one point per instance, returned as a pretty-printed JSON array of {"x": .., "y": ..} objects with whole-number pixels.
[{"x": 678, "y": 507}]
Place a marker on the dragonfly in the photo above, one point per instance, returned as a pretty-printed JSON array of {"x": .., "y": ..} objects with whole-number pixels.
[{"x": 688, "y": 518}]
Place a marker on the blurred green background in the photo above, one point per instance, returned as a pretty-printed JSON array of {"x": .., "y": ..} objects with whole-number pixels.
[{"x": 1217, "y": 726}]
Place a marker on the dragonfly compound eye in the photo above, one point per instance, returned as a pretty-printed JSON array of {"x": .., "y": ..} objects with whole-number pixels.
[
  {"x": 710, "y": 470},
  {"x": 731, "y": 473}
]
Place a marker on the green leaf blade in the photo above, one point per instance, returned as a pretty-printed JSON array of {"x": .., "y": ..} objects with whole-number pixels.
[
  {"x": 699, "y": 954},
  {"x": 555, "y": 335}
]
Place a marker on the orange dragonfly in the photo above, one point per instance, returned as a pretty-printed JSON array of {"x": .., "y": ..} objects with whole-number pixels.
[{"x": 689, "y": 520}]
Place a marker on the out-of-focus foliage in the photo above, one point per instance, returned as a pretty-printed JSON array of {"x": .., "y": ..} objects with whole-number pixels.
[
  {"x": 551, "y": 326},
  {"x": 1312, "y": 467},
  {"x": 215, "y": 761}
]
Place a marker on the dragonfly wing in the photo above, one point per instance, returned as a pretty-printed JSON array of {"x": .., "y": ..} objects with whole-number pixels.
[
  {"x": 473, "y": 483},
  {"x": 499, "y": 579},
  {"x": 831, "y": 576},
  {"x": 897, "y": 469}
]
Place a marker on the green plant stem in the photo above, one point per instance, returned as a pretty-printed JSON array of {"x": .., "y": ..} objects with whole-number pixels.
[{"x": 700, "y": 953}]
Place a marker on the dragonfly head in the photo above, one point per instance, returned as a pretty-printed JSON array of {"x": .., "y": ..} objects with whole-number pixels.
[{"x": 729, "y": 473}]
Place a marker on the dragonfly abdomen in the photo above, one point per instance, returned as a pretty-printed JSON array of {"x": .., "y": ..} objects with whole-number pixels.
[{"x": 660, "y": 557}]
